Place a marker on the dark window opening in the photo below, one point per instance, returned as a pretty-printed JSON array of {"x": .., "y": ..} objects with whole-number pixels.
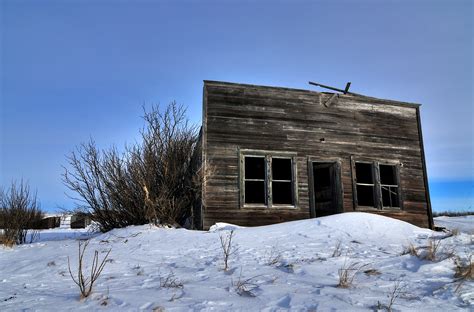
[
  {"x": 254, "y": 179},
  {"x": 389, "y": 186},
  {"x": 365, "y": 184},
  {"x": 255, "y": 192},
  {"x": 282, "y": 193},
  {"x": 281, "y": 169},
  {"x": 255, "y": 168},
  {"x": 365, "y": 195},
  {"x": 388, "y": 174},
  {"x": 364, "y": 173},
  {"x": 282, "y": 181}
]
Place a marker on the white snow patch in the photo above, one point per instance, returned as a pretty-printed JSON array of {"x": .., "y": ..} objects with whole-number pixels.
[
  {"x": 463, "y": 223},
  {"x": 289, "y": 266},
  {"x": 222, "y": 226}
]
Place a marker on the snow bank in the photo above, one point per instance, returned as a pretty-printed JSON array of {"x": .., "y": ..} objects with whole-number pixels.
[
  {"x": 288, "y": 266},
  {"x": 348, "y": 226}
]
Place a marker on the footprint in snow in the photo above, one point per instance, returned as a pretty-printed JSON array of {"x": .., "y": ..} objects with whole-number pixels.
[{"x": 284, "y": 302}]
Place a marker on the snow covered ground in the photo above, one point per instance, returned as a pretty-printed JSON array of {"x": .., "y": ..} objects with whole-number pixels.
[
  {"x": 463, "y": 224},
  {"x": 289, "y": 266}
]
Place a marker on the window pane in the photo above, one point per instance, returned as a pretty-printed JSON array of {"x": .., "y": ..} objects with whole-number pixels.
[
  {"x": 254, "y": 192},
  {"x": 386, "y": 196},
  {"x": 254, "y": 168},
  {"x": 365, "y": 195},
  {"x": 388, "y": 175},
  {"x": 281, "y": 169},
  {"x": 282, "y": 194},
  {"x": 394, "y": 195},
  {"x": 390, "y": 196},
  {"x": 364, "y": 173}
]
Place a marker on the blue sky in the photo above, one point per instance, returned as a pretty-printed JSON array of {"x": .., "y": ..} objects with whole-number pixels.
[{"x": 71, "y": 70}]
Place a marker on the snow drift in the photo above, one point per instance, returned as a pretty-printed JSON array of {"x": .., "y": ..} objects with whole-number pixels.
[{"x": 288, "y": 266}]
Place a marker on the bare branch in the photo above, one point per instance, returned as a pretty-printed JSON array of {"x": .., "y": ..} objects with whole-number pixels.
[
  {"x": 151, "y": 182},
  {"x": 86, "y": 284},
  {"x": 227, "y": 247},
  {"x": 19, "y": 213}
]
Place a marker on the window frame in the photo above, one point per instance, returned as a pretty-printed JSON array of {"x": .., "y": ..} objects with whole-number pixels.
[
  {"x": 373, "y": 184},
  {"x": 268, "y": 155},
  {"x": 264, "y": 180},
  {"x": 397, "y": 180},
  {"x": 378, "y": 202}
]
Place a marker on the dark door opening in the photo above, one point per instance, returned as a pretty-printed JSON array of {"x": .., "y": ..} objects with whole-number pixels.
[{"x": 327, "y": 196}]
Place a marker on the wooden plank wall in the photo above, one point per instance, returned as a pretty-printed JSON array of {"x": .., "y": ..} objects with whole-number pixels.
[{"x": 280, "y": 119}]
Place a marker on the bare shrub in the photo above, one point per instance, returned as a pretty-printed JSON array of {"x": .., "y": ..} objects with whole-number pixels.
[
  {"x": 396, "y": 291},
  {"x": 19, "y": 213},
  {"x": 245, "y": 287},
  {"x": 435, "y": 251},
  {"x": 170, "y": 281},
  {"x": 410, "y": 250},
  {"x": 348, "y": 272},
  {"x": 464, "y": 270},
  {"x": 337, "y": 249},
  {"x": 273, "y": 257},
  {"x": 432, "y": 249},
  {"x": 151, "y": 182},
  {"x": 86, "y": 284},
  {"x": 34, "y": 236},
  {"x": 227, "y": 247}
]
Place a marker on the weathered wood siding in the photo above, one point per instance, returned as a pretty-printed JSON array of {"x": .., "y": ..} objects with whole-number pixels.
[{"x": 237, "y": 116}]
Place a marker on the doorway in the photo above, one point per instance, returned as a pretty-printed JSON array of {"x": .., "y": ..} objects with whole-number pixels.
[{"x": 326, "y": 188}]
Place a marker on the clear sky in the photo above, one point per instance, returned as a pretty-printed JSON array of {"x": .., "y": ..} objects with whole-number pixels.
[{"x": 71, "y": 70}]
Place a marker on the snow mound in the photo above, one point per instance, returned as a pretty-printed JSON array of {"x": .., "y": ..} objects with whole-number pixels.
[
  {"x": 356, "y": 226},
  {"x": 222, "y": 226},
  {"x": 359, "y": 224},
  {"x": 292, "y": 266}
]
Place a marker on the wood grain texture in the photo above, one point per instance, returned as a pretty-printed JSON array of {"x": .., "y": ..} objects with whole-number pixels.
[{"x": 248, "y": 117}]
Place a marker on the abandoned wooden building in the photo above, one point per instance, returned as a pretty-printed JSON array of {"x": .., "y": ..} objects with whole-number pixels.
[{"x": 276, "y": 154}]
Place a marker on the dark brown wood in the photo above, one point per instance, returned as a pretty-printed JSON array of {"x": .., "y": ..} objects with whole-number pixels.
[
  {"x": 275, "y": 121},
  {"x": 425, "y": 173},
  {"x": 331, "y": 100}
]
